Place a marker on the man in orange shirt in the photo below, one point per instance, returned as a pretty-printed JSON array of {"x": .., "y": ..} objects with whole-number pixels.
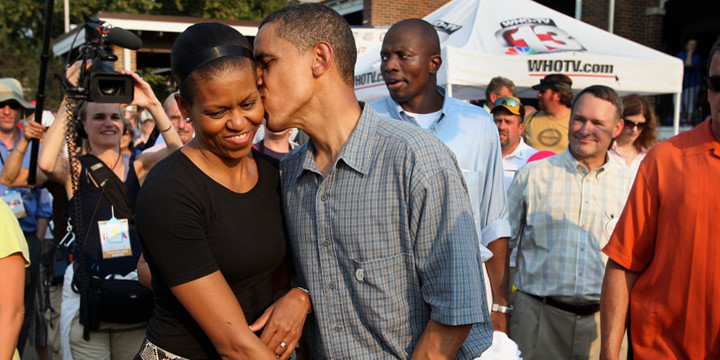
[{"x": 665, "y": 251}]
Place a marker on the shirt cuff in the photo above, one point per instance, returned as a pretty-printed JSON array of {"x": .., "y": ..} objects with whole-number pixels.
[
  {"x": 500, "y": 228},
  {"x": 458, "y": 317}
]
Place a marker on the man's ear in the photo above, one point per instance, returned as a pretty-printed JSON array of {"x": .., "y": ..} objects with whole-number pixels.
[
  {"x": 435, "y": 62},
  {"x": 617, "y": 128},
  {"x": 323, "y": 58},
  {"x": 493, "y": 97}
]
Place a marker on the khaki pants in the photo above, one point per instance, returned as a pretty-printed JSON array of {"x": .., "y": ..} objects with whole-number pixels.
[
  {"x": 545, "y": 332},
  {"x": 116, "y": 345},
  {"x": 53, "y": 315}
]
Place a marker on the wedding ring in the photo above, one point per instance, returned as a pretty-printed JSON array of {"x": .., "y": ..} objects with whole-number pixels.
[{"x": 283, "y": 345}]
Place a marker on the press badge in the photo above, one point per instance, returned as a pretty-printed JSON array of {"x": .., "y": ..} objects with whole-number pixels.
[
  {"x": 115, "y": 238},
  {"x": 14, "y": 200}
]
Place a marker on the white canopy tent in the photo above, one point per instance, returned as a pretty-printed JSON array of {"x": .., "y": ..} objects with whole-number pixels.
[{"x": 524, "y": 41}]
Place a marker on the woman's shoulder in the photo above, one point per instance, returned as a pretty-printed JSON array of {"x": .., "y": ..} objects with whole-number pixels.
[{"x": 174, "y": 171}]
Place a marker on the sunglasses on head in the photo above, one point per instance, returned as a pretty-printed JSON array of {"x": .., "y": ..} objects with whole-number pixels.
[
  {"x": 12, "y": 103},
  {"x": 506, "y": 101},
  {"x": 632, "y": 124},
  {"x": 713, "y": 82}
]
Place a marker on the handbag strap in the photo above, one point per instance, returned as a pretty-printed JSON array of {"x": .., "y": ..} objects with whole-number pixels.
[{"x": 114, "y": 189}]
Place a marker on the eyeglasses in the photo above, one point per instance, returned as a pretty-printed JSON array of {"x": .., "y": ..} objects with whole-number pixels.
[
  {"x": 713, "y": 82},
  {"x": 631, "y": 124},
  {"x": 12, "y": 103}
]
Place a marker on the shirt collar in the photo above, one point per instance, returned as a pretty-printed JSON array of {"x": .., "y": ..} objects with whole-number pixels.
[
  {"x": 399, "y": 113},
  {"x": 520, "y": 150},
  {"x": 707, "y": 141},
  {"x": 573, "y": 165},
  {"x": 358, "y": 149}
]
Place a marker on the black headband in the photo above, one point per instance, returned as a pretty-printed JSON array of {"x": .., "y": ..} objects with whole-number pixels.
[{"x": 209, "y": 55}]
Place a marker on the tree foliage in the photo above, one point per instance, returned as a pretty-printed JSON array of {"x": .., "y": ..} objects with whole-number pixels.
[{"x": 24, "y": 20}]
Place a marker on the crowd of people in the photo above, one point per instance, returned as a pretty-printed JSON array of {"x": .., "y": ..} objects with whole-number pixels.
[{"x": 276, "y": 216}]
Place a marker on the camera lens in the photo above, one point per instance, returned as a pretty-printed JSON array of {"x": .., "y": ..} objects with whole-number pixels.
[{"x": 109, "y": 87}]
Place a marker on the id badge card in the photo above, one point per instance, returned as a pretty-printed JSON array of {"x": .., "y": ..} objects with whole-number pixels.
[
  {"x": 114, "y": 238},
  {"x": 15, "y": 201}
]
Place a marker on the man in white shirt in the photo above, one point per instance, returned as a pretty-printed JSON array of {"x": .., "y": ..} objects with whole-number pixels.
[{"x": 508, "y": 113}]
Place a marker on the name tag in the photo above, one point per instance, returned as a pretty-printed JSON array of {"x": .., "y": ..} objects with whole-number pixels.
[
  {"x": 115, "y": 238},
  {"x": 14, "y": 200}
]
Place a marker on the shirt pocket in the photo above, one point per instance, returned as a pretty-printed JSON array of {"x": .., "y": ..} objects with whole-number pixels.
[{"x": 386, "y": 292}]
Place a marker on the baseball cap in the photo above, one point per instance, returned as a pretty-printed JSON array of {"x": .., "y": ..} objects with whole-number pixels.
[
  {"x": 554, "y": 81},
  {"x": 511, "y": 104},
  {"x": 11, "y": 89}
]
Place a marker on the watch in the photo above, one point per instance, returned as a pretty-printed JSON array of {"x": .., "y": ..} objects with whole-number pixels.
[{"x": 502, "y": 309}]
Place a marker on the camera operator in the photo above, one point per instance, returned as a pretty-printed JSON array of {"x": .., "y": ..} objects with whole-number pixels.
[{"x": 100, "y": 124}]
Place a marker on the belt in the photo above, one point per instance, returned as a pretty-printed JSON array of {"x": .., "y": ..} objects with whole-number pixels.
[{"x": 580, "y": 310}]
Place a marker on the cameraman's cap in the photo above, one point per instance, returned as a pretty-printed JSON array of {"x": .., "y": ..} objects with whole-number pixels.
[
  {"x": 555, "y": 82},
  {"x": 11, "y": 89}
]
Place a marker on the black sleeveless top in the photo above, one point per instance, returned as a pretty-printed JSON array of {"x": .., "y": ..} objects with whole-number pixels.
[{"x": 96, "y": 207}]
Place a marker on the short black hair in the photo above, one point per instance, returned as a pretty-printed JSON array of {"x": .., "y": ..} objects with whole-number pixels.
[
  {"x": 198, "y": 38},
  {"x": 304, "y": 25}
]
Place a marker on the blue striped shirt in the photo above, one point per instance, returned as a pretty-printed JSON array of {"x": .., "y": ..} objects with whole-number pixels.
[
  {"x": 561, "y": 216},
  {"x": 384, "y": 243}
]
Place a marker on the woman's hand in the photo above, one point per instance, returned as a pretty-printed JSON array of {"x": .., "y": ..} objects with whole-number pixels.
[
  {"x": 33, "y": 130},
  {"x": 72, "y": 73},
  {"x": 143, "y": 94},
  {"x": 283, "y": 322}
]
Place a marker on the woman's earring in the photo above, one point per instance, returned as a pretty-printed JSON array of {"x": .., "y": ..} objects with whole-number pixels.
[{"x": 187, "y": 120}]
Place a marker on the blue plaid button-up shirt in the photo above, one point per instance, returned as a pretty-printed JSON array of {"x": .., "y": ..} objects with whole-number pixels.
[
  {"x": 384, "y": 243},
  {"x": 472, "y": 136},
  {"x": 562, "y": 215}
]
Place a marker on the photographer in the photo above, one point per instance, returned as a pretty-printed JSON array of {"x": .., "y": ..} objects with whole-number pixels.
[{"x": 103, "y": 216}]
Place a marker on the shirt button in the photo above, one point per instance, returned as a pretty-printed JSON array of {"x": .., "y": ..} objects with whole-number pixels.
[
  {"x": 323, "y": 197},
  {"x": 338, "y": 328},
  {"x": 331, "y": 286},
  {"x": 582, "y": 249},
  {"x": 360, "y": 274},
  {"x": 326, "y": 243}
]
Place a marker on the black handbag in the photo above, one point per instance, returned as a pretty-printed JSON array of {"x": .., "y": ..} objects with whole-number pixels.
[
  {"x": 112, "y": 300},
  {"x": 118, "y": 301}
]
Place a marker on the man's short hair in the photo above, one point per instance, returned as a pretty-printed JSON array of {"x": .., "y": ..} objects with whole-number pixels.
[
  {"x": 169, "y": 100},
  {"x": 496, "y": 84},
  {"x": 713, "y": 51},
  {"x": 304, "y": 25},
  {"x": 605, "y": 93}
]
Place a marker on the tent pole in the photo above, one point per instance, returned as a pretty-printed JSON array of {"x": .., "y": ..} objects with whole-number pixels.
[
  {"x": 578, "y": 9},
  {"x": 676, "y": 114},
  {"x": 611, "y": 16}
]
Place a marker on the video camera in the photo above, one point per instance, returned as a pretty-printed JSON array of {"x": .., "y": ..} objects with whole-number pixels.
[{"x": 100, "y": 82}]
